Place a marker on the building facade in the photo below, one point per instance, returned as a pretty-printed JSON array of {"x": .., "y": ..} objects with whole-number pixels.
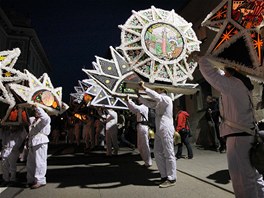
[{"x": 16, "y": 32}]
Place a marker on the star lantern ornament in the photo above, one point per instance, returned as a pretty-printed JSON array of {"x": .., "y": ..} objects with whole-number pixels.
[
  {"x": 8, "y": 75},
  {"x": 156, "y": 43},
  {"x": 101, "y": 98},
  {"x": 239, "y": 41},
  {"x": 41, "y": 92}
]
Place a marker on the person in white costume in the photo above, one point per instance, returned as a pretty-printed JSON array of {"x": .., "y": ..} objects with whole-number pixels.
[
  {"x": 110, "y": 118},
  {"x": 163, "y": 145},
  {"x": 141, "y": 112},
  {"x": 39, "y": 130},
  {"x": 237, "y": 113},
  {"x": 12, "y": 139}
]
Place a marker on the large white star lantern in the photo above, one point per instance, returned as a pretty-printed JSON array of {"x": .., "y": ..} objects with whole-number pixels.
[
  {"x": 156, "y": 43},
  {"x": 239, "y": 41}
]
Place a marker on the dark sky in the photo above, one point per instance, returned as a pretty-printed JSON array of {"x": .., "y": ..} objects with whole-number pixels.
[{"x": 72, "y": 32}]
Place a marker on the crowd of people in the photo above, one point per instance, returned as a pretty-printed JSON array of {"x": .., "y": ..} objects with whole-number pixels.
[{"x": 107, "y": 129}]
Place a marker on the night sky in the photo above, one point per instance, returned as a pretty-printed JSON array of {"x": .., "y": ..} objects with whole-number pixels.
[{"x": 73, "y": 32}]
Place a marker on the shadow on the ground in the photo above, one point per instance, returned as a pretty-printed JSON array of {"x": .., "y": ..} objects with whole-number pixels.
[
  {"x": 221, "y": 177},
  {"x": 96, "y": 170}
]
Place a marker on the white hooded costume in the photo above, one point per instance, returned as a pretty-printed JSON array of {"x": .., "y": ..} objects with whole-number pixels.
[{"x": 39, "y": 130}]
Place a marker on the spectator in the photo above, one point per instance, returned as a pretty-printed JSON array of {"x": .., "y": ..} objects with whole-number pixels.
[
  {"x": 213, "y": 118},
  {"x": 183, "y": 128}
]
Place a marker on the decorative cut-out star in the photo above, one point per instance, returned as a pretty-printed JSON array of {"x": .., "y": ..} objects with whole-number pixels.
[{"x": 239, "y": 41}]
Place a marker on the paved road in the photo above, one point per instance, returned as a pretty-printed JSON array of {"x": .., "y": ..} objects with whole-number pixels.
[{"x": 73, "y": 174}]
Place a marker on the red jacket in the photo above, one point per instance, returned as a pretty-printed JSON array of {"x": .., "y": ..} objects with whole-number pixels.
[{"x": 181, "y": 120}]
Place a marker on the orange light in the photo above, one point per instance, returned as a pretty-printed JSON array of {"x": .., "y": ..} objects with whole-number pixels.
[
  {"x": 87, "y": 98},
  {"x": 13, "y": 115},
  {"x": 54, "y": 104}
]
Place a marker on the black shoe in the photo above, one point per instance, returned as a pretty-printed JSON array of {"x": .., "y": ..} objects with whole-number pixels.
[
  {"x": 181, "y": 156},
  {"x": 190, "y": 157},
  {"x": 222, "y": 151},
  {"x": 178, "y": 156}
]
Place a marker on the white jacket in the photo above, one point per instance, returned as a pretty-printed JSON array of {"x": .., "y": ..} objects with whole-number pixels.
[
  {"x": 39, "y": 128},
  {"x": 235, "y": 104},
  {"x": 111, "y": 119},
  {"x": 163, "y": 109},
  {"x": 139, "y": 110}
]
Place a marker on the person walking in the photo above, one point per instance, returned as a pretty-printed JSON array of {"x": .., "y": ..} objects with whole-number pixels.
[
  {"x": 39, "y": 130},
  {"x": 183, "y": 129},
  {"x": 141, "y": 112},
  {"x": 237, "y": 113},
  {"x": 163, "y": 145}
]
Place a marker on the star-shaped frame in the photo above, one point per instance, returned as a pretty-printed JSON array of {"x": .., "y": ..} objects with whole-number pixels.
[
  {"x": 156, "y": 44},
  {"x": 239, "y": 41},
  {"x": 41, "y": 92}
]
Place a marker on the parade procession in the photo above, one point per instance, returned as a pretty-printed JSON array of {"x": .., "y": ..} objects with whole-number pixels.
[{"x": 172, "y": 89}]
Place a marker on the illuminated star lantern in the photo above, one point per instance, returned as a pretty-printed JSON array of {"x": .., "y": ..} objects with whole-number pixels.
[
  {"x": 41, "y": 93},
  {"x": 80, "y": 90},
  {"x": 156, "y": 43},
  {"x": 8, "y": 75},
  {"x": 239, "y": 41},
  {"x": 101, "y": 98}
]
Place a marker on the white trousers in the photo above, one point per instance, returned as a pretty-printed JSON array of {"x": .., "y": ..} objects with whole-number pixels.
[
  {"x": 111, "y": 141},
  {"x": 9, "y": 160},
  {"x": 37, "y": 164},
  {"x": 164, "y": 154},
  {"x": 10, "y": 154},
  {"x": 246, "y": 181},
  {"x": 143, "y": 144}
]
